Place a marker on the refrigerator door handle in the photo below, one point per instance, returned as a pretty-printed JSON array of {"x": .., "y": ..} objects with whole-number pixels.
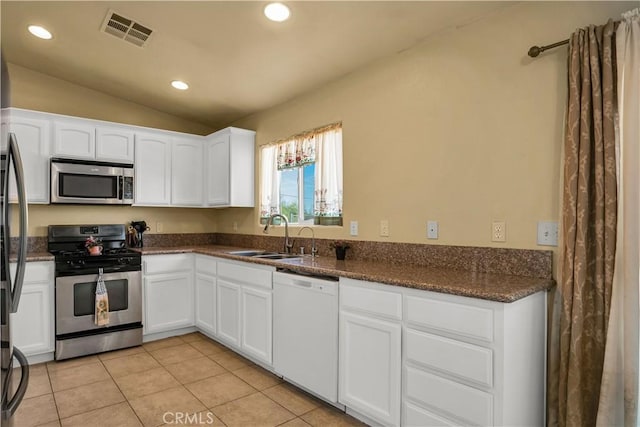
[
  {"x": 15, "y": 401},
  {"x": 14, "y": 152}
]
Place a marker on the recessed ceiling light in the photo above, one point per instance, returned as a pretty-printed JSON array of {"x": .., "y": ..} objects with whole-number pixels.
[
  {"x": 277, "y": 12},
  {"x": 179, "y": 84},
  {"x": 39, "y": 31}
]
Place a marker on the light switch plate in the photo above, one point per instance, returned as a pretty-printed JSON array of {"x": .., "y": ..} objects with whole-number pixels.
[
  {"x": 547, "y": 233},
  {"x": 432, "y": 229}
]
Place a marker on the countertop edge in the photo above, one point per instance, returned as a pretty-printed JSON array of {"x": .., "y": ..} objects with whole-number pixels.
[{"x": 537, "y": 285}]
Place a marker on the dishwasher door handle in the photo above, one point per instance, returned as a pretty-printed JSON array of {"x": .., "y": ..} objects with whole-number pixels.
[{"x": 303, "y": 283}]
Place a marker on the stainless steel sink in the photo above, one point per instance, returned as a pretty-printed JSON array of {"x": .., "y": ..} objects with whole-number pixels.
[
  {"x": 277, "y": 256},
  {"x": 250, "y": 253},
  {"x": 264, "y": 254}
]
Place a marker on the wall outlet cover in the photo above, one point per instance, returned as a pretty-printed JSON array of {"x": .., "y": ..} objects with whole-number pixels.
[
  {"x": 384, "y": 228},
  {"x": 498, "y": 231},
  {"x": 353, "y": 228}
]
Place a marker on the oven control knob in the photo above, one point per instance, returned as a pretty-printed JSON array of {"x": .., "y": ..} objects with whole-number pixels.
[{"x": 123, "y": 261}]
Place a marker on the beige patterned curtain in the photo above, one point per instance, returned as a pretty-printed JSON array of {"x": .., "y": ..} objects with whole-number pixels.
[{"x": 589, "y": 228}]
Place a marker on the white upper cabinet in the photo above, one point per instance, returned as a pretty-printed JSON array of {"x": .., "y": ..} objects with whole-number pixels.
[
  {"x": 186, "y": 171},
  {"x": 82, "y": 139},
  {"x": 230, "y": 168},
  {"x": 218, "y": 171},
  {"x": 74, "y": 139},
  {"x": 33, "y": 137},
  {"x": 152, "y": 170},
  {"x": 114, "y": 144}
]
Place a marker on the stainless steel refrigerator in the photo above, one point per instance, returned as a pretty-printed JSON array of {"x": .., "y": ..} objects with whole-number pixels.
[{"x": 11, "y": 358}]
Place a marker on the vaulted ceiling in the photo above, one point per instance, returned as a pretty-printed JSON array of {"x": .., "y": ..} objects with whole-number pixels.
[{"x": 235, "y": 61}]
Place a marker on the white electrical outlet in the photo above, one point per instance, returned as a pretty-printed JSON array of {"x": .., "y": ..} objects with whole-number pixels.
[
  {"x": 384, "y": 228},
  {"x": 432, "y": 229},
  {"x": 498, "y": 231},
  {"x": 353, "y": 228},
  {"x": 159, "y": 227},
  {"x": 548, "y": 233},
  {"x": 235, "y": 226}
]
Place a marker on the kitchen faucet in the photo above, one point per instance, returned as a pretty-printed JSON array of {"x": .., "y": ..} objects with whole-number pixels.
[
  {"x": 287, "y": 245},
  {"x": 314, "y": 250}
]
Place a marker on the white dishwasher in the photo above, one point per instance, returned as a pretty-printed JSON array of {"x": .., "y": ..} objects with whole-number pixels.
[{"x": 305, "y": 332}]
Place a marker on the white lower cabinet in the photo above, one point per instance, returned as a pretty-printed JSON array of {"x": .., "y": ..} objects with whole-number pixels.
[
  {"x": 257, "y": 328},
  {"x": 228, "y": 312},
  {"x": 32, "y": 325},
  {"x": 369, "y": 351},
  {"x": 168, "y": 292},
  {"x": 205, "y": 294},
  {"x": 473, "y": 362},
  {"x": 244, "y": 308},
  {"x": 449, "y": 360}
]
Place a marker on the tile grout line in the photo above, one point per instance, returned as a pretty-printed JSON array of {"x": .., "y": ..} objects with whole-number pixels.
[
  {"x": 53, "y": 394},
  {"x": 126, "y": 399}
]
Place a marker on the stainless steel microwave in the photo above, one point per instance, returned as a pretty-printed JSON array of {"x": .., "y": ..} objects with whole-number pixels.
[{"x": 91, "y": 183}]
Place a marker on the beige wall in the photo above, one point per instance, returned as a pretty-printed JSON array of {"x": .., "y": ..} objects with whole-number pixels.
[
  {"x": 35, "y": 91},
  {"x": 463, "y": 129},
  {"x": 173, "y": 220}
]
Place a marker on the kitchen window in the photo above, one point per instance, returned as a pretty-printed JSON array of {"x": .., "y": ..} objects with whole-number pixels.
[{"x": 301, "y": 178}]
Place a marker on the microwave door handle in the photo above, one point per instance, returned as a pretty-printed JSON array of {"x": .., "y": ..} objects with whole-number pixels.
[
  {"x": 22, "y": 204},
  {"x": 121, "y": 187}
]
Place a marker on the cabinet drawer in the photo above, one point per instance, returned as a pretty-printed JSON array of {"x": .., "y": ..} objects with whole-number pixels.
[
  {"x": 35, "y": 271},
  {"x": 472, "y": 406},
  {"x": 415, "y": 416},
  {"x": 374, "y": 301},
  {"x": 462, "y": 360},
  {"x": 245, "y": 274},
  {"x": 154, "y": 264},
  {"x": 460, "y": 319},
  {"x": 205, "y": 265}
]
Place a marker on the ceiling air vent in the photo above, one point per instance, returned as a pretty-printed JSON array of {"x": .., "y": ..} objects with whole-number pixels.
[{"x": 126, "y": 29}]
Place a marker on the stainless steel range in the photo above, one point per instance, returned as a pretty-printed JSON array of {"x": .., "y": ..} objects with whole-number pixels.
[{"x": 77, "y": 275}]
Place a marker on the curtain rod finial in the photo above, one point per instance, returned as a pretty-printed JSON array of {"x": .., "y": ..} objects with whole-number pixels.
[{"x": 535, "y": 51}]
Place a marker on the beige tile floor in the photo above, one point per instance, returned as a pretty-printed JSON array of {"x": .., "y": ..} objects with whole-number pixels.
[{"x": 187, "y": 380}]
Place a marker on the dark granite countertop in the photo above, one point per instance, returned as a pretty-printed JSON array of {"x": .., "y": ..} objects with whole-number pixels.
[
  {"x": 488, "y": 286},
  {"x": 34, "y": 256}
]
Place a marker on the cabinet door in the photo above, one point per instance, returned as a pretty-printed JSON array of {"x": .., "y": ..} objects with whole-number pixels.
[
  {"x": 186, "y": 172},
  {"x": 168, "y": 302},
  {"x": 206, "y": 302},
  {"x": 152, "y": 170},
  {"x": 257, "y": 329},
  {"x": 228, "y": 312},
  {"x": 33, "y": 141},
  {"x": 369, "y": 366},
  {"x": 114, "y": 144},
  {"x": 218, "y": 178},
  {"x": 32, "y": 324},
  {"x": 74, "y": 139}
]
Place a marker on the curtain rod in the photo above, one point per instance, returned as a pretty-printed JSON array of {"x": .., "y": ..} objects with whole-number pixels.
[{"x": 537, "y": 50}]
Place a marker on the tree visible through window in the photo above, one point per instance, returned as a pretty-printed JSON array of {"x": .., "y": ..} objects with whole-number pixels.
[
  {"x": 297, "y": 186},
  {"x": 301, "y": 178}
]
